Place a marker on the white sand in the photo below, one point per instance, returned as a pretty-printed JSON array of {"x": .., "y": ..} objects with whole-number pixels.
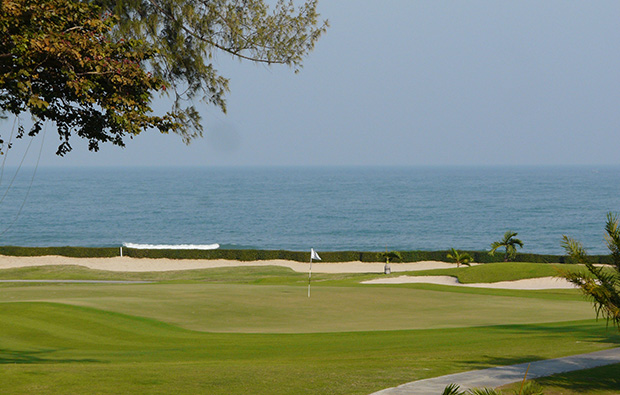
[
  {"x": 127, "y": 264},
  {"x": 531, "y": 283}
]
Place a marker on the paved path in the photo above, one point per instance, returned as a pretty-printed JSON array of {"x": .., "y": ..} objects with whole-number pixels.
[{"x": 495, "y": 377}]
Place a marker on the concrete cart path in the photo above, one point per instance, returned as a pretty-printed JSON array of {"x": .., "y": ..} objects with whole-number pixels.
[{"x": 495, "y": 377}]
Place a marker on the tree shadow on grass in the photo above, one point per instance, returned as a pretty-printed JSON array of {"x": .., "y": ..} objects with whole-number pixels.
[
  {"x": 35, "y": 357},
  {"x": 594, "y": 333},
  {"x": 601, "y": 378},
  {"x": 586, "y": 333},
  {"x": 488, "y": 361}
]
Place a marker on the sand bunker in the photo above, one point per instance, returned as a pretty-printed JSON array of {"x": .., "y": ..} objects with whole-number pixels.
[
  {"x": 127, "y": 264},
  {"x": 530, "y": 283}
]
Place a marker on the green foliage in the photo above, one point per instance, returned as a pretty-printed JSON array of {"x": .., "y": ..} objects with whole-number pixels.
[
  {"x": 483, "y": 391},
  {"x": 530, "y": 388},
  {"x": 509, "y": 242},
  {"x": 387, "y": 257},
  {"x": 74, "y": 252},
  {"x": 298, "y": 256},
  {"x": 600, "y": 285},
  {"x": 92, "y": 67},
  {"x": 459, "y": 258},
  {"x": 58, "y": 63},
  {"x": 186, "y": 35},
  {"x": 452, "y": 389}
]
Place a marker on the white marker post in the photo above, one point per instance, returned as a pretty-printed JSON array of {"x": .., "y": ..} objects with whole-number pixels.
[
  {"x": 313, "y": 255},
  {"x": 121, "y": 251}
]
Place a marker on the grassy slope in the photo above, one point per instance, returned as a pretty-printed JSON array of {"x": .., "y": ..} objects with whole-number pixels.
[
  {"x": 287, "y": 309},
  {"x": 63, "y": 348},
  {"x": 55, "y": 348}
]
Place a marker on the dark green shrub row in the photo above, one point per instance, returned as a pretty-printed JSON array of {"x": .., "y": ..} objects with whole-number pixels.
[
  {"x": 75, "y": 252},
  {"x": 260, "y": 255}
]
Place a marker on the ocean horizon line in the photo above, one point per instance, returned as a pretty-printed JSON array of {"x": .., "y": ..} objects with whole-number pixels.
[{"x": 328, "y": 166}]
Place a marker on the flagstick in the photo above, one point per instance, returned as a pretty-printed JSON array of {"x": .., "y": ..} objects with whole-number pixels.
[{"x": 309, "y": 275}]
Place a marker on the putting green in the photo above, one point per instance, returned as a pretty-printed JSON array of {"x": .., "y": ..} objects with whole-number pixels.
[{"x": 287, "y": 309}]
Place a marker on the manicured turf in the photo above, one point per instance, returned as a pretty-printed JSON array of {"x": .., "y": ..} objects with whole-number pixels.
[
  {"x": 494, "y": 272},
  {"x": 504, "y": 271},
  {"x": 253, "y": 330},
  {"x": 287, "y": 309},
  {"x": 604, "y": 380},
  {"x": 57, "y": 348}
]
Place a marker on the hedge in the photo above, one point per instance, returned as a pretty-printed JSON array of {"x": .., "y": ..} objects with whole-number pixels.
[{"x": 260, "y": 255}]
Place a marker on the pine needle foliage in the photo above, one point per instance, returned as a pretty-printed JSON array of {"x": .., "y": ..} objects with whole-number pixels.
[
  {"x": 188, "y": 36},
  {"x": 93, "y": 67}
]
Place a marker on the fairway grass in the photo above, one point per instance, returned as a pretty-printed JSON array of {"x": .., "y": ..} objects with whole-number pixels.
[
  {"x": 254, "y": 330},
  {"x": 55, "y": 348}
]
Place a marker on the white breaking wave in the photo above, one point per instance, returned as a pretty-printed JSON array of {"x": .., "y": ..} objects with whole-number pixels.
[{"x": 172, "y": 246}]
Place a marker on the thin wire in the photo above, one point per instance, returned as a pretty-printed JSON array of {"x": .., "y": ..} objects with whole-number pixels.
[
  {"x": 31, "y": 180},
  {"x": 17, "y": 171},
  {"x": 8, "y": 147}
]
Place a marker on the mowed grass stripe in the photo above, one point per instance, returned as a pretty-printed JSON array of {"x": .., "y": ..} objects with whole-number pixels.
[
  {"x": 117, "y": 353},
  {"x": 287, "y": 309}
]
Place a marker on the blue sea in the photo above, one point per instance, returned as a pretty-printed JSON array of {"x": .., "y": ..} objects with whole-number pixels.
[{"x": 327, "y": 209}]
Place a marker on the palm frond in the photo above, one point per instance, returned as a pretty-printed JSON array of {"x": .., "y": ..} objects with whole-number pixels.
[
  {"x": 531, "y": 388},
  {"x": 574, "y": 249},
  {"x": 517, "y": 242},
  {"x": 483, "y": 391},
  {"x": 612, "y": 237},
  {"x": 452, "y": 389},
  {"x": 494, "y": 246},
  {"x": 601, "y": 286}
]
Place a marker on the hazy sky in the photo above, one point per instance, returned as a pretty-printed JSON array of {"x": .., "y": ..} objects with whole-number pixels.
[{"x": 405, "y": 82}]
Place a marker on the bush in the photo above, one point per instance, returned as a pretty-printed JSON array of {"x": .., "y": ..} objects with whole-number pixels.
[{"x": 261, "y": 255}]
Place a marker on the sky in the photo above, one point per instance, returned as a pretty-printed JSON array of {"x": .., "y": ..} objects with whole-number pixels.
[{"x": 411, "y": 83}]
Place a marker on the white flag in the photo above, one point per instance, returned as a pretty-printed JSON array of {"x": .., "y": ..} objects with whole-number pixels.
[{"x": 314, "y": 255}]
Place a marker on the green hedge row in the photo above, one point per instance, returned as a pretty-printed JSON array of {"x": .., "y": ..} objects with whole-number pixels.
[
  {"x": 259, "y": 255},
  {"x": 76, "y": 252}
]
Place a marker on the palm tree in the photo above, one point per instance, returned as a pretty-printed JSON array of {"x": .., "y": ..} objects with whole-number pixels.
[
  {"x": 530, "y": 388},
  {"x": 458, "y": 258},
  {"x": 387, "y": 257},
  {"x": 509, "y": 242},
  {"x": 599, "y": 284}
]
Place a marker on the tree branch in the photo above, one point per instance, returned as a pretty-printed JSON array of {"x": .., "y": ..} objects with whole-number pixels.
[{"x": 216, "y": 45}]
